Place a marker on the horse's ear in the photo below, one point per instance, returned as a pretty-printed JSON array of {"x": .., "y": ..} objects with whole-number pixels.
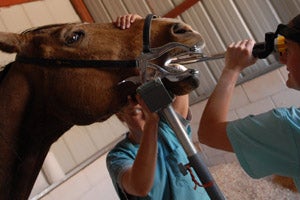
[{"x": 9, "y": 42}]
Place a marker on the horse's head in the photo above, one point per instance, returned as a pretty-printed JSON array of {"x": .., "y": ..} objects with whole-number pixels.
[{"x": 61, "y": 62}]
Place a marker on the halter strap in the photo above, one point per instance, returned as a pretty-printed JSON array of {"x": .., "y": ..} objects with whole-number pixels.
[
  {"x": 78, "y": 63},
  {"x": 146, "y": 33}
]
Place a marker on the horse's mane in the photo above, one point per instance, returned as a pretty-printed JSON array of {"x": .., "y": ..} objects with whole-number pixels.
[{"x": 4, "y": 70}]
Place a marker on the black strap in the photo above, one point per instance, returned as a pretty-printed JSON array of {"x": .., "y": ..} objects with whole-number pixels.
[
  {"x": 78, "y": 63},
  {"x": 146, "y": 33}
]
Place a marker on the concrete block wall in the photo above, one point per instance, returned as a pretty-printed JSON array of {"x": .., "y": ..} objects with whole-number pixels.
[{"x": 91, "y": 183}]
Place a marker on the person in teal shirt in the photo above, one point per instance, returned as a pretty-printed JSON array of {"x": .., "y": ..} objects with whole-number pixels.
[
  {"x": 144, "y": 165},
  {"x": 268, "y": 143}
]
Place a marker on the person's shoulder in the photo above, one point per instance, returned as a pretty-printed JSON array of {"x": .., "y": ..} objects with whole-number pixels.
[
  {"x": 124, "y": 147},
  {"x": 292, "y": 111},
  {"x": 122, "y": 144},
  {"x": 287, "y": 115}
]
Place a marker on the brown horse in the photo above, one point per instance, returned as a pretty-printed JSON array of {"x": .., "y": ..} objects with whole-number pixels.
[{"x": 43, "y": 93}]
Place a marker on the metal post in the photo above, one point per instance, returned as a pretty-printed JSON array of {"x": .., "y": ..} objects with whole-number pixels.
[
  {"x": 149, "y": 92},
  {"x": 194, "y": 157}
]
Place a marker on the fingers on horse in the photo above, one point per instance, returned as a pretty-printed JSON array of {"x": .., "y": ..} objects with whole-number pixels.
[{"x": 125, "y": 21}]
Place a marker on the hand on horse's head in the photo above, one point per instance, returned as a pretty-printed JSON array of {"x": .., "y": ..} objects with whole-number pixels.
[{"x": 124, "y": 22}]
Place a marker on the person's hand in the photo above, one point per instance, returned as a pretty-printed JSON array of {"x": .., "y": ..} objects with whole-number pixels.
[
  {"x": 124, "y": 22},
  {"x": 149, "y": 116},
  {"x": 239, "y": 55}
]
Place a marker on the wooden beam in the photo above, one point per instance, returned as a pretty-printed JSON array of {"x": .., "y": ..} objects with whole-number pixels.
[
  {"x": 181, "y": 8},
  {"x": 13, "y": 2},
  {"x": 82, "y": 10},
  {"x": 85, "y": 15}
]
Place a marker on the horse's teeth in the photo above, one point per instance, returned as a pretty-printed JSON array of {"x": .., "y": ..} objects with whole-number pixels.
[{"x": 180, "y": 67}]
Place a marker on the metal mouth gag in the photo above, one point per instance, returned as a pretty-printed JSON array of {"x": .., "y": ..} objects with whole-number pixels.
[
  {"x": 193, "y": 57},
  {"x": 172, "y": 71}
]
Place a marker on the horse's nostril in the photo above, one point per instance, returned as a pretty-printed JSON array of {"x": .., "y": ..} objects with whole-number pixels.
[
  {"x": 180, "y": 28},
  {"x": 179, "y": 31}
]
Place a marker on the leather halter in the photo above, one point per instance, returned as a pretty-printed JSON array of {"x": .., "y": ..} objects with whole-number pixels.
[
  {"x": 146, "y": 33},
  {"x": 95, "y": 63}
]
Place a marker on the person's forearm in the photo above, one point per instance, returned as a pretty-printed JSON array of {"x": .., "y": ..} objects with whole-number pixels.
[
  {"x": 181, "y": 105},
  {"x": 145, "y": 162},
  {"x": 219, "y": 102},
  {"x": 212, "y": 130},
  {"x": 141, "y": 176}
]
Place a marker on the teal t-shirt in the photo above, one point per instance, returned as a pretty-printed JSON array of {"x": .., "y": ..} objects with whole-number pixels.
[
  {"x": 268, "y": 143},
  {"x": 169, "y": 182}
]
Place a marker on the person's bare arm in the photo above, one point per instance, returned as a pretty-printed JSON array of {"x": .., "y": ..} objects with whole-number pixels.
[
  {"x": 212, "y": 128},
  {"x": 138, "y": 180},
  {"x": 181, "y": 105}
]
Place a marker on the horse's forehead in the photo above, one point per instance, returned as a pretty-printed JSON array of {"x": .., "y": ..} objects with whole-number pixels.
[
  {"x": 61, "y": 28},
  {"x": 44, "y": 29}
]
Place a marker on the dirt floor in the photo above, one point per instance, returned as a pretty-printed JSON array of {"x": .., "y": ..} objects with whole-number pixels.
[{"x": 237, "y": 185}]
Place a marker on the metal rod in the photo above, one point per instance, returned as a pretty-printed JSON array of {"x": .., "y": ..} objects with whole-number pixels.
[
  {"x": 179, "y": 130},
  {"x": 197, "y": 57},
  {"x": 194, "y": 157}
]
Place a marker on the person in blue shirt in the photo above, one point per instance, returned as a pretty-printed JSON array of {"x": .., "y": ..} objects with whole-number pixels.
[
  {"x": 267, "y": 143},
  {"x": 144, "y": 165}
]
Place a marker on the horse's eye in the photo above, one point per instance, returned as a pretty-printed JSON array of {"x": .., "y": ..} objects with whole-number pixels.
[{"x": 74, "y": 37}]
